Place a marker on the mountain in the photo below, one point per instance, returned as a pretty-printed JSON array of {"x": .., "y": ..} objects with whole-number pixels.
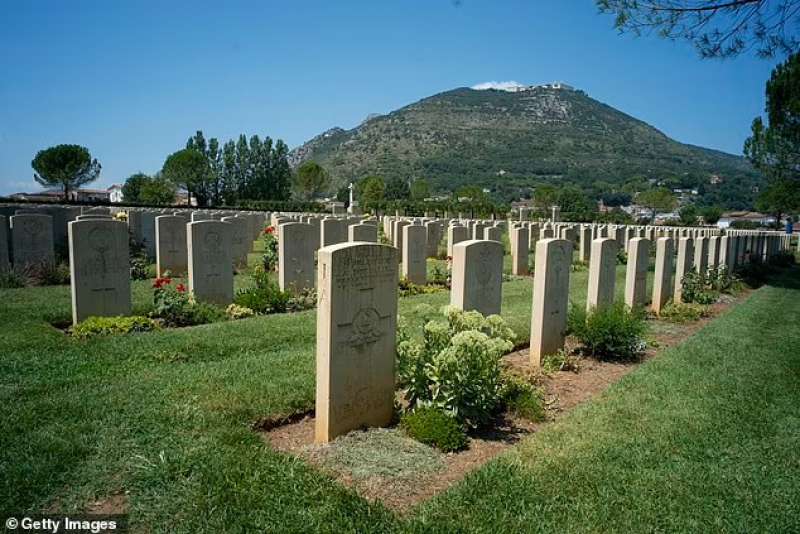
[{"x": 509, "y": 140}]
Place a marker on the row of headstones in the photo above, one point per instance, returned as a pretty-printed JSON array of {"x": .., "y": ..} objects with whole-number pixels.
[
  {"x": 100, "y": 263},
  {"x": 357, "y": 308},
  {"x": 418, "y": 238},
  {"x": 36, "y": 234}
]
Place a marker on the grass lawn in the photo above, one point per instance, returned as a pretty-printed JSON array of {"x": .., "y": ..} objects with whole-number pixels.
[{"x": 704, "y": 438}]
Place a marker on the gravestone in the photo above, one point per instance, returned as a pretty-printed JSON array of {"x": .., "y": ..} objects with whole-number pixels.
[
  {"x": 433, "y": 230},
  {"x": 415, "y": 268},
  {"x": 478, "y": 231},
  {"x": 210, "y": 261},
  {"x": 636, "y": 272},
  {"x": 332, "y": 232},
  {"x": 701, "y": 255},
  {"x": 602, "y": 273},
  {"x": 95, "y": 210},
  {"x": 198, "y": 216},
  {"x": 397, "y": 235},
  {"x": 32, "y": 239},
  {"x": 240, "y": 240},
  {"x": 477, "y": 276},
  {"x": 493, "y": 233},
  {"x": 713, "y": 251},
  {"x": 171, "y": 251},
  {"x": 455, "y": 234},
  {"x": 148, "y": 234},
  {"x": 316, "y": 223},
  {"x": 662, "y": 280},
  {"x": 533, "y": 233},
  {"x": 683, "y": 265},
  {"x": 5, "y": 262},
  {"x": 585, "y": 244},
  {"x": 296, "y": 256},
  {"x": 356, "y": 338},
  {"x": 362, "y": 232},
  {"x": 99, "y": 268},
  {"x": 519, "y": 251},
  {"x": 550, "y": 298}
]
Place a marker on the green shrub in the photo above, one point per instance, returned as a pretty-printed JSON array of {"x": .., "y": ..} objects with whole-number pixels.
[
  {"x": 175, "y": 306},
  {"x": 456, "y": 365},
  {"x": 264, "y": 297},
  {"x": 433, "y": 426},
  {"x": 102, "y": 326},
  {"x": 439, "y": 276},
  {"x": 782, "y": 259},
  {"x": 408, "y": 289},
  {"x": 140, "y": 267},
  {"x": 681, "y": 312},
  {"x": 302, "y": 300},
  {"x": 49, "y": 274},
  {"x": 14, "y": 278},
  {"x": 613, "y": 332},
  {"x": 697, "y": 288},
  {"x": 522, "y": 399},
  {"x": 723, "y": 281}
]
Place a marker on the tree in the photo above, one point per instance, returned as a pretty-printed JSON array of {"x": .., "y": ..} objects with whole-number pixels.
[
  {"x": 311, "y": 179},
  {"x": 688, "y": 215},
  {"x": 544, "y": 197},
  {"x": 157, "y": 190},
  {"x": 471, "y": 193},
  {"x": 775, "y": 149},
  {"x": 132, "y": 188},
  {"x": 717, "y": 28},
  {"x": 257, "y": 169},
  {"x": 188, "y": 169},
  {"x": 781, "y": 197},
  {"x": 371, "y": 191},
  {"x": 420, "y": 189},
  {"x": 65, "y": 166},
  {"x": 711, "y": 214},
  {"x": 659, "y": 199},
  {"x": 572, "y": 200},
  {"x": 397, "y": 189}
]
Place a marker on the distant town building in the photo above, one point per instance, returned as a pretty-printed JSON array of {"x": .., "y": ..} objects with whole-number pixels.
[
  {"x": 112, "y": 194},
  {"x": 115, "y": 194},
  {"x": 730, "y": 217}
]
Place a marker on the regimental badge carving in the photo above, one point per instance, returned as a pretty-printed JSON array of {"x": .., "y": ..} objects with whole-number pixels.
[
  {"x": 484, "y": 268},
  {"x": 100, "y": 240},
  {"x": 212, "y": 243},
  {"x": 32, "y": 228},
  {"x": 365, "y": 328}
]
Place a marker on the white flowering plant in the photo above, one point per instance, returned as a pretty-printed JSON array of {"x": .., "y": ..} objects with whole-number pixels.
[{"x": 455, "y": 367}]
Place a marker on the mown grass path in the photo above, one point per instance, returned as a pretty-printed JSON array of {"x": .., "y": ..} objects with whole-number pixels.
[{"x": 704, "y": 438}]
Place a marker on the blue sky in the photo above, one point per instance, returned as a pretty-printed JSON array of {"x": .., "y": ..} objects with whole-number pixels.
[{"x": 131, "y": 81}]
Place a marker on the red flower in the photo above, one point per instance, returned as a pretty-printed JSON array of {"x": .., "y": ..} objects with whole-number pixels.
[
  {"x": 161, "y": 282},
  {"x": 181, "y": 288},
  {"x": 269, "y": 230}
]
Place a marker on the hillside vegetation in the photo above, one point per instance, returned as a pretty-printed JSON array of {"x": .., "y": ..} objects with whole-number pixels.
[{"x": 508, "y": 142}]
